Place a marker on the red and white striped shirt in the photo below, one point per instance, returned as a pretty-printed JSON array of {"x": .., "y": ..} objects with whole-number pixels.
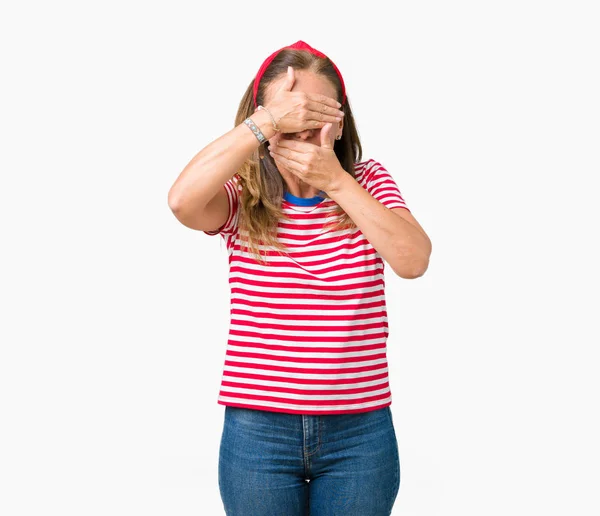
[{"x": 308, "y": 332}]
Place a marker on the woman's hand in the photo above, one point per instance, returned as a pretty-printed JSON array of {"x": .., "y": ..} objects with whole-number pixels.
[
  {"x": 317, "y": 166},
  {"x": 296, "y": 111}
]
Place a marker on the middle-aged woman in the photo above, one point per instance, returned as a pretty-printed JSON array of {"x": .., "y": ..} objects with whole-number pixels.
[{"x": 308, "y": 224}]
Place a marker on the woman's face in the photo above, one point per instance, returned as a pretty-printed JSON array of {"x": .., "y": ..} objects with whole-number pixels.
[{"x": 307, "y": 82}]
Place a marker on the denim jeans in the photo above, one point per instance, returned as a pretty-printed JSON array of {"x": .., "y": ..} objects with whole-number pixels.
[{"x": 279, "y": 464}]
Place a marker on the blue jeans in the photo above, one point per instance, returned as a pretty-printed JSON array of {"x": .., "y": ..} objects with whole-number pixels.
[{"x": 279, "y": 464}]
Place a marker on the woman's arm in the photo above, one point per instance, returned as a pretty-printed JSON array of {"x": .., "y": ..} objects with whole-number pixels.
[
  {"x": 395, "y": 234},
  {"x": 202, "y": 180}
]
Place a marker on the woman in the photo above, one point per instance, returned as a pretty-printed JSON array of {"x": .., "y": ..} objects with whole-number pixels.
[{"x": 307, "y": 424}]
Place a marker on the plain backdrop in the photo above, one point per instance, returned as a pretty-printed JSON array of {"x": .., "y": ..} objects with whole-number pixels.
[{"x": 115, "y": 316}]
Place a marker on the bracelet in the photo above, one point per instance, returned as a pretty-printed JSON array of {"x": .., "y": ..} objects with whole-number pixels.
[
  {"x": 272, "y": 118},
  {"x": 254, "y": 128}
]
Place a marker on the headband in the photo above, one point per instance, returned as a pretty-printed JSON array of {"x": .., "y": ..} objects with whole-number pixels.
[{"x": 299, "y": 45}]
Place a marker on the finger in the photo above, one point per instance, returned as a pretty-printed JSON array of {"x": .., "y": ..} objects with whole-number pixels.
[
  {"x": 312, "y": 124},
  {"x": 290, "y": 78},
  {"x": 286, "y": 156},
  {"x": 322, "y": 119},
  {"x": 331, "y": 112},
  {"x": 303, "y": 125},
  {"x": 299, "y": 147},
  {"x": 323, "y": 99},
  {"x": 282, "y": 162},
  {"x": 327, "y": 137}
]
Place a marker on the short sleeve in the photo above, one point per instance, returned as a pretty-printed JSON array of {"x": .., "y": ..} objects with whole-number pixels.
[
  {"x": 232, "y": 187},
  {"x": 381, "y": 185}
]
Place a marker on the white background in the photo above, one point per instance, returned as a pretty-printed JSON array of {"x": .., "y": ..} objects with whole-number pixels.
[{"x": 115, "y": 316}]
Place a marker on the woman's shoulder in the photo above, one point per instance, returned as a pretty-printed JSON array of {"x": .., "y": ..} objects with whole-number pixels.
[
  {"x": 363, "y": 168},
  {"x": 363, "y": 163}
]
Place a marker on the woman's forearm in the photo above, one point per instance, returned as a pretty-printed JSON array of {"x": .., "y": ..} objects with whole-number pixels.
[
  {"x": 215, "y": 164},
  {"x": 403, "y": 246}
]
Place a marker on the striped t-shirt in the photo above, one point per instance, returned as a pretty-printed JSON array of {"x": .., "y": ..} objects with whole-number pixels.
[{"x": 308, "y": 331}]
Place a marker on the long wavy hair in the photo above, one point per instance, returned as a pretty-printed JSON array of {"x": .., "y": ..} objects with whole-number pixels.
[{"x": 261, "y": 182}]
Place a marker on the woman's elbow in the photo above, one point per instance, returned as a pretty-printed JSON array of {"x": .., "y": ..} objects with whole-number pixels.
[{"x": 412, "y": 269}]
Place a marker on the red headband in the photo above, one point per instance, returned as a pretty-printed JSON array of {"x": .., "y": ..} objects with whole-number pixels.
[{"x": 299, "y": 45}]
